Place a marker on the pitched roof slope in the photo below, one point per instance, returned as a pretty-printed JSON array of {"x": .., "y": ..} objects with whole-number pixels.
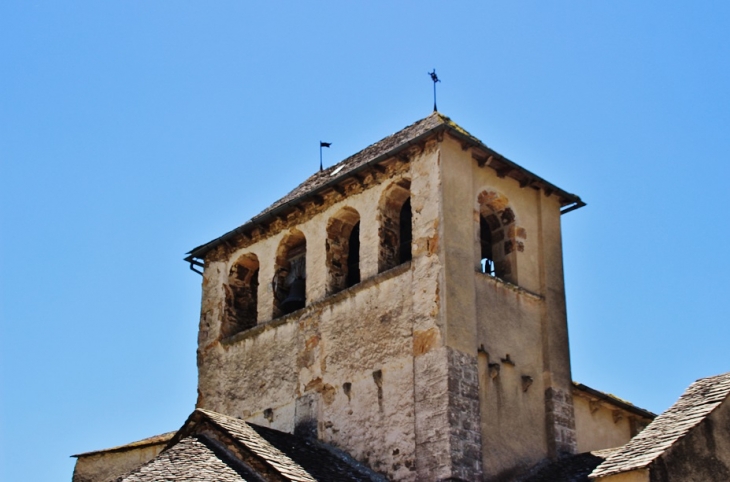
[
  {"x": 318, "y": 459},
  {"x": 212, "y": 446},
  {"x": 374, "y": 151},
  {"x": 189, "y": 460},
  {"x": 296, "y": 458},
  {"x": 247, "y": 436},
  {"x": 695, "y": 404},
  {"x": 379, "y": 152},
  {"x": 339, "y": 171}
]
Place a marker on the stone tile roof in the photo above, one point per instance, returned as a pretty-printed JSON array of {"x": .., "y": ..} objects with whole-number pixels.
[
  {"x": 154, "y": 440},
  {"x": 190, "y": 460},
  {"x": 247, "y": 436},
  {"x": 297, "y": 458},
  {"x": 385, "y": 146},
  {"x": 379, "y": 152},
  {"x": 318, "y": 459},
  {"x": 199, "y": 452},
  {"x": 695, "y": 404}
]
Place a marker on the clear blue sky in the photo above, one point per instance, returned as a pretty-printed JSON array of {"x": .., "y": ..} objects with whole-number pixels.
[{"x": 131, "y": 132}]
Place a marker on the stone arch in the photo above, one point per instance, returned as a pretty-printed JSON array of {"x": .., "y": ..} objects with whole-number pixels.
[
  {"x": 343, "y": 250},
  {"x": 289, "y": 285},
  {"x": 395, "y": 230},
  {"x": 499, "y": 238},
  {"x": 241, "y": 295}
]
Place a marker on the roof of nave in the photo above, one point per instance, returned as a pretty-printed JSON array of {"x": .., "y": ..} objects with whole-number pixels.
[
  {"x": 213, "y": 446},
  {"x": 695, "y": 404},
  {"x": 381, "y": 151},
  {"x": 192, "y": 458}
]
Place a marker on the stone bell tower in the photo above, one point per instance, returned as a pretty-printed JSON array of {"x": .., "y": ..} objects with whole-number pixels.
[{"x": 406, "y": 305}]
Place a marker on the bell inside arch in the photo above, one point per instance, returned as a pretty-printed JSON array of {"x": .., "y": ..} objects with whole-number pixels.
[{"x": 296, "y": 298}]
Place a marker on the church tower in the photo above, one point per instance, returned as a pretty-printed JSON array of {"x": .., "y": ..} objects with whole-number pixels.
[{"x": 406, "y": 305}]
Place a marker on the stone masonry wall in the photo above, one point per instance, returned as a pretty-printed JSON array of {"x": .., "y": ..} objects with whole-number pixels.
[
  {"x": 387, "y": 370},
  {"x": 343, "y": 368},
  {"x": 463, "y": 410},
  {"x": 560, "y": 421}
]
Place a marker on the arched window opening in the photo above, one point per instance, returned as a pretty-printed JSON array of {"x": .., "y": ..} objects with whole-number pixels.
[
  {"x": 241, "y": 292},
  {"x": 289, "y": 283},
  {"x": 485, "y": 238},
  {"x": 395, "y": 231},
  {"x": 343, "y": 250},
  {"x": 499, "y": 237},
  {"x": 406, "y": 233}
]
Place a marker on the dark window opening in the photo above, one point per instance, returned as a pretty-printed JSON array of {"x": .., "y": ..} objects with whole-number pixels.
[
  {"x": 394, "y": 230},
  {"x": 343, "y": 250},
  {"x": 485, "y": 238},
  {"x": 406, "y": 233},
  {"x": 290, "y": 278},
  {"x": 353, "y": 256},
  {"x": 294, "y": 280},
  {"x": 500, "y": 238},
  {"x": 241, "y": 291}
]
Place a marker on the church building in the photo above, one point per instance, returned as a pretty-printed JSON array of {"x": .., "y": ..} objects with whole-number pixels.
[{"x": 401, "y": 316}]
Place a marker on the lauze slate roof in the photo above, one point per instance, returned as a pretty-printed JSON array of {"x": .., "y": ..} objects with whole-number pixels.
[
  {"x": 191, "y": 459},
  {"x": 202, "y": 450},
  {"x": 695, "y": 404},
  {"x": 381, "y": 151}
]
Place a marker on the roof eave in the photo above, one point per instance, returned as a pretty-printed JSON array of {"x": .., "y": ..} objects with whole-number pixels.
[
  {"x": 570, "y": 201},
  {"x": 162, "y": 439},
  {"x": 202, "y": 250},
  {"x": 615, "y": 401}
]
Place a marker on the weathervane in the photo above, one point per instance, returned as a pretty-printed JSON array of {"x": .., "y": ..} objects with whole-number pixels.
[
  {"x": 435, "y": 79},
  {"x": 321, "y": 145}
]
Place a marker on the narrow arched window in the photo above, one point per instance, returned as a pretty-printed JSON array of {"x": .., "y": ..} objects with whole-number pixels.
[
  {"x": 395, "y": 231},
  {"x": 289, "y": 283},
  {"x": 343, "y": 250},
  {"x": 500, "y": 239},
  {"x": 241, "y": 292}
]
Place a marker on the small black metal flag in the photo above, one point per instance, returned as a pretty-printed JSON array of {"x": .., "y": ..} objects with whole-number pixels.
[
  {"x": 321, "y": 145},
  {"x": 435, "y": 79}
]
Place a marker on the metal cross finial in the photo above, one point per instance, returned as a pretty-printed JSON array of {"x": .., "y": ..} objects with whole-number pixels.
[{"x": 435, "y": 79}]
